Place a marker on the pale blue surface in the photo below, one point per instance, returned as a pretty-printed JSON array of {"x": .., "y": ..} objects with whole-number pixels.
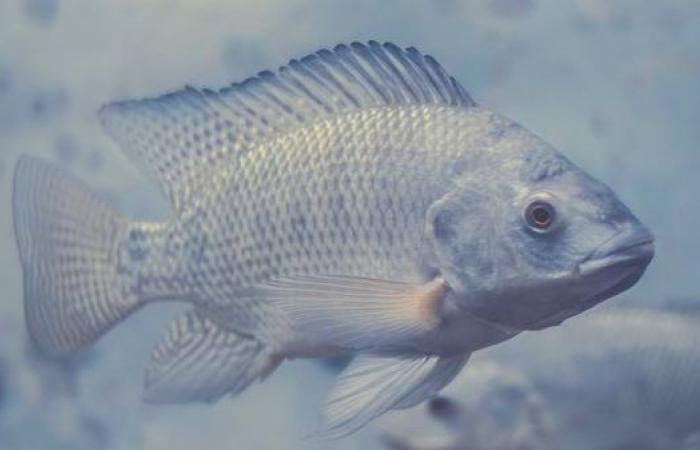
[{"x": 613, "y": 84}]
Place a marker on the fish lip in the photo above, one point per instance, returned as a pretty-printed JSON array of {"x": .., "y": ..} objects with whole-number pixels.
[
  {"x": 622, "y": 285},
  {"x": 633, "y": 272},
  {"x": 633, "y": 247},
  {"x": 633, "y": 256}
]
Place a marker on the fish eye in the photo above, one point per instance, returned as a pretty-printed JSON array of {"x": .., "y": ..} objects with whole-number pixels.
[{"x": 540, "y": 215}]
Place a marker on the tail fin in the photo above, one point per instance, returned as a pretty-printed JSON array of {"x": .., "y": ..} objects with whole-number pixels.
[{"x": 67, "y": 241}]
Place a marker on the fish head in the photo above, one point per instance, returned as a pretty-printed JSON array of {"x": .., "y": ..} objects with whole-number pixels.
[{"x": 526, "y": 239}]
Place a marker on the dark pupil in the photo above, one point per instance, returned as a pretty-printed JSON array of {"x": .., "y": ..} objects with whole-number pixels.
[{"x": 541, "y": 215}]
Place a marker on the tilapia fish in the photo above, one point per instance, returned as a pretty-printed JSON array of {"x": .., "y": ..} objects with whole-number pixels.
[{"x": 355, "y": 200}]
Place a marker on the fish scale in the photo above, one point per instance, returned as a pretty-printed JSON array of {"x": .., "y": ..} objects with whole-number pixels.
[
  {"x": 329, "y": 217},
  {"x": 354, "y": 200}
]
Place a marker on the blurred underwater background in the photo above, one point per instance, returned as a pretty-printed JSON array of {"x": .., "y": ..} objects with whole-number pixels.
[{"x": 613, "y": 84}]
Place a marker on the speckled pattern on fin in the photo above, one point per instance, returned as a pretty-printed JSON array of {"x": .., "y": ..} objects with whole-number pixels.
[
  {"x": 372, "y": 385},
  {"x": 67, "y": 240},
  {"x": 178, "y": 137},
  {"x": 199, "y": 361}
]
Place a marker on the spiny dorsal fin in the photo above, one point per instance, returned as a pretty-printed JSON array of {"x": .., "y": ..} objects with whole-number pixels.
[{"x": 180, "y": 136}]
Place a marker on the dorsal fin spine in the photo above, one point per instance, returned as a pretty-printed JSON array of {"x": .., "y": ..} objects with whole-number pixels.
[
  {"x": 334, "y": 103},
  {"x": 229, "y": 115},
  {"x": 392, "y": 97},
  {"x": 272, "y": 80},
  {"x": 180, "y": 137},
  {"x": 258, "y": 107},
  {"x": 320, "y": 68},
  {"x": 396, "y": 53},
  {"x": 396, "y": 74},
  {"x": 332, "y": 59},
  {"x": 348, "y": 55},
  {"x": 444, "y": 80},
  {"x": 288, "y": 72},
  {"x": 417, "y": 59}
]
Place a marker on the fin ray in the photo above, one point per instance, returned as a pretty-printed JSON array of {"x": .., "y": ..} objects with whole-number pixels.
[
  {"x": 67, "y": 240},
  {"x": 179, "y": 137},
  {"x": 354, "y": 312},
  {"x": 197, "y": 360},
  {"x": 373, "y": 385}
]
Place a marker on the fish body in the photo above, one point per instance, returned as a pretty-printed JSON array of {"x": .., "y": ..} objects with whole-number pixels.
[
  {"x": 350, "y": 196},
  {"x": 619, "y": 378},
  {"x": 357, "y": 200}
]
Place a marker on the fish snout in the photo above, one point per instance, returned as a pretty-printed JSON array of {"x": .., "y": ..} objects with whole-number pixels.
[
  {"x": 617, "y": 264},
  {"x": 631, "y": 246}
]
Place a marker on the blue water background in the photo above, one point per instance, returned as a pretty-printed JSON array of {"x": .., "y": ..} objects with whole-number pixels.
[{"x": 614, "y": 84}]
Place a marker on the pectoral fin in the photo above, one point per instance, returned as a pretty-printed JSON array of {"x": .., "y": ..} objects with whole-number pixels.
[
  {"x": 356, "y": 313},
  {"x": 373, "y": 385}
]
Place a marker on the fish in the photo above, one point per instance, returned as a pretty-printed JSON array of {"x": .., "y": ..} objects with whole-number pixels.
[
  {"x": 621, "y": 378},
  {"x": 356, "y": 200}
]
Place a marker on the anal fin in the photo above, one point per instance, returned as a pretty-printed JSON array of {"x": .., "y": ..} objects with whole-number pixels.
[{"x": 197, "y": 360}]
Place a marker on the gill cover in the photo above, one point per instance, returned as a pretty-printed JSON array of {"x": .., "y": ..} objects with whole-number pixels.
[{"x": 460, "y": 228}]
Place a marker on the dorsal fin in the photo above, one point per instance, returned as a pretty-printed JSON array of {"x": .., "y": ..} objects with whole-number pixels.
[{"x": 180, "y": 136}]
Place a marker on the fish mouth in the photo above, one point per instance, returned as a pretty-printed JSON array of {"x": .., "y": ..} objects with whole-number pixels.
[
  {"x": 616, "y": 266},
  {"x": 633, "y": 248},
  {"x": 621, "y": 286}
]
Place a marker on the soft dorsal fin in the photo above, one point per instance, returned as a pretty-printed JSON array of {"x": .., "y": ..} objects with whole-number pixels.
[{"x": 180, "y": 136}]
